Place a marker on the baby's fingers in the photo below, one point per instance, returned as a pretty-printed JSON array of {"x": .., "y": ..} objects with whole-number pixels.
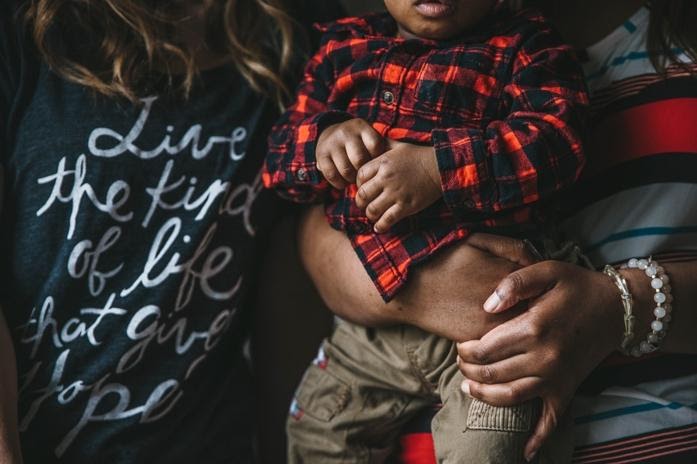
[
  {"x": 389, "y": 218},
  {"x": 330, "y": 172},
  {"x": 357, "y": 154},
  {"x": 344, "y": 166},
  {"x": 378, "y": 206},
  {"x": 373, "y": 142},
  {"x": 367, "y": 193},
  {"x": 367, "y": 172}
]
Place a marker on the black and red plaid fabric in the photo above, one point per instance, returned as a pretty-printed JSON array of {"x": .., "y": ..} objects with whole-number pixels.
[{"x": 502, "y": 106}]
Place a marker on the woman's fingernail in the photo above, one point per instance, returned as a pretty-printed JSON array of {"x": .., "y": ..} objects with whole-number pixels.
[
  {"x": 492, "y": 302},
  {"x": 465, "y": 387},
  {"x": 530, "y": 456}
]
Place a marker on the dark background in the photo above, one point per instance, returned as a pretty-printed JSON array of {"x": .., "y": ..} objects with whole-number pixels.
[{"x": 362, "y": 6}]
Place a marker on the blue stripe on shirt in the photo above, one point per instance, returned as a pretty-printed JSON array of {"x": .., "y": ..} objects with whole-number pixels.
[
  {"x": 620, "y": 60},
  {"x": 643, "y": 232},
  {"x": 630, "y": 26},
  {"x": 639, "y": 408}
]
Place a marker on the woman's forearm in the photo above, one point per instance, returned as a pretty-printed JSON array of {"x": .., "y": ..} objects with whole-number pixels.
[
  {"x": 9, "y": 436},
  {"x": 443, "y": 296}
]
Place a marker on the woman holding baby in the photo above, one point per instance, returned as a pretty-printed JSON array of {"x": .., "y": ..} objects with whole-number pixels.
[
  {"x": 132, "y": 215},
  {"x": 636, "y": 200}
]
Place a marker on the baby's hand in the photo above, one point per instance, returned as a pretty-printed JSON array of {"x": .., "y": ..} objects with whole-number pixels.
[
  {"x": 343, "y": 148},
  {"x": 402, "y": 181}
]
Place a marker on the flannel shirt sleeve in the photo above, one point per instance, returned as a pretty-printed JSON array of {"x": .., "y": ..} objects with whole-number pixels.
[
  {"x": 290, "y": 166},
  {"x": 535, "y": 150}
]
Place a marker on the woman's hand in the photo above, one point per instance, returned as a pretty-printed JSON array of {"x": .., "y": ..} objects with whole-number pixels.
[{"x": 573, "y": 322}]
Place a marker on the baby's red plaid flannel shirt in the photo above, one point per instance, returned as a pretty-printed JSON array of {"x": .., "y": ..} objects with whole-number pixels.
[{"x": 502, "y": 106}]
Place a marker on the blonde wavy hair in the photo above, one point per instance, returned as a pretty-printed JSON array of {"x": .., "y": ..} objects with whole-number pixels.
[{"x": 126, "y": 48}]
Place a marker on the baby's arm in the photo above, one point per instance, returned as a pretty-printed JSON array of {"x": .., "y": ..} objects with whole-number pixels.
[
  {"x": 532, "y": 152},
  {"x": 291, "y": 163}
]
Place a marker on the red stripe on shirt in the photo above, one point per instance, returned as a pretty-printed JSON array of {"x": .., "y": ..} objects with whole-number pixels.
[{"x": 666, "y": 126}]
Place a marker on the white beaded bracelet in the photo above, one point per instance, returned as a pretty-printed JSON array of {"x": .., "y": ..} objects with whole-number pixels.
[{"x": 663, "y": 298}]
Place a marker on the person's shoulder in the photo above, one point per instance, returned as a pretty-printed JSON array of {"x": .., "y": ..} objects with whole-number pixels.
[
  {"x": 524, "y": 22},
  {"x": 529, "y": 22},
  {"x": 310, "y": 12},
  {"x": 357, "y": 27},
  {"x": 12, "y": 42},
  {"x": 12, "y": 50},
  {"x": 525, "y": 26},
  {"x": 529, "y": 16},
  {"x": 10, "y": 5},
  {"x": 11, "y": 14},
  {"x": 11, "y": 20},
  {"x": 12, "y": 27}
]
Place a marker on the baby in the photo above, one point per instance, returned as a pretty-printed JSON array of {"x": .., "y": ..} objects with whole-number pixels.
[{"x": 416, "y": 128}]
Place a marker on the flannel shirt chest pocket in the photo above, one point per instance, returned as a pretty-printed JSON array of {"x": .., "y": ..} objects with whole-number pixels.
[{"x": 458, "y": 85}]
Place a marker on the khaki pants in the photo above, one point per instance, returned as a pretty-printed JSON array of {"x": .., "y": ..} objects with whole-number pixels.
[{"x": 366, "y": 384}]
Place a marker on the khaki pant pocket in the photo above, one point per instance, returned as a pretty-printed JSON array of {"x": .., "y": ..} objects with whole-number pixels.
[{"x": 321, "y": 394}]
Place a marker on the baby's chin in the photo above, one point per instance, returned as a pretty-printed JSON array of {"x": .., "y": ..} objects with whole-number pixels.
[{"x": 431, "y": 31}]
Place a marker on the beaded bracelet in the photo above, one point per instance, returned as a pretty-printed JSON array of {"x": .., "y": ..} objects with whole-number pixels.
[
  {"x": 627, "y": 304},
  {"x": 663, "y": 298}
]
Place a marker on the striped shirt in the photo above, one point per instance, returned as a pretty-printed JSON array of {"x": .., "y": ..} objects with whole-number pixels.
[{"x": 638, "y": 197}]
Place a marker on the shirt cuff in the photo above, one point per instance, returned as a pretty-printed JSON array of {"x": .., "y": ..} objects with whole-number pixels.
[
  {"x": 462, "y": 162},
  {"x": 306, "y": 172}
]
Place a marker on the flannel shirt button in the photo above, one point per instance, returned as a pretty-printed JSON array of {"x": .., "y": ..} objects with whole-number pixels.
[
  {"x": 388, "y": 97},
  {"x": 302, "y": 175}
]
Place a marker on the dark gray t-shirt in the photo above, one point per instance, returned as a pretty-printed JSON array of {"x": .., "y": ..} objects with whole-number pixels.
[{"x": 128, "y": 237}]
